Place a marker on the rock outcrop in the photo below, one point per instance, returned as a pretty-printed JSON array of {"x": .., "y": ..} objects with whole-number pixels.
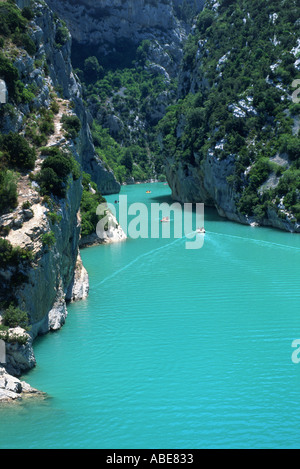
[
  {"x": 61, "y": 73},
  {"x": 104, "y": 24},
  {"x": 114, "y": 234},
  {"x": 215, "y": 151},
  {"x": 55, "y": 275},
  {"x": 12, "y": 389}
]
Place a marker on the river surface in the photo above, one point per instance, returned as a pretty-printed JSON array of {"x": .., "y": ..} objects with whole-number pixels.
[{"x": 174, "y": 348}]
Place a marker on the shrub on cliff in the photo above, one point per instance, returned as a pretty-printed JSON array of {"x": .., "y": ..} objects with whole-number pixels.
[
  {"x": 48, "y": 239},
  {"x": 8, "y": 190},
  {"x": 25, "y": 41},
  {"x": 11, "y": 19},
  {"x": 91, "y": 198},
  {"x": 27, "y": 13},
  {"x": 13, "y": 256},
  {"x": 18, "y": 153},
  {"x": 8, "y": 73},
  {"x": 54, "y": 174},
  {"x": 72, "y": 125},
  {"x": 15, "y": 317},
  {"x": 62, "y": 36}
]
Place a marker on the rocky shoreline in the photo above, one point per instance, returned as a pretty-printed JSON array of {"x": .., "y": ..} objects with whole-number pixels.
[
  {"x": 19, "y": 353},
  {"x": 12, "y": 389}
]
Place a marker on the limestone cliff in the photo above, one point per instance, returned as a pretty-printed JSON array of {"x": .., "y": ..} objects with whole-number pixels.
[
  {"x": 104, "y": 24},
  {"x": 134, "y": 34},
  {"x": 48, "y": 229},
  {"x": 59, "y": 62},
  {"x": 232, "y": 141}
]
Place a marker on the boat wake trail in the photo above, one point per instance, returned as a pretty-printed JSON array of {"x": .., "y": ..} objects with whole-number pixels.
[
  {"x": 209, "y": 238},
  {"x": 256, "y": 241},
  {"x": 137, "y": 259}
]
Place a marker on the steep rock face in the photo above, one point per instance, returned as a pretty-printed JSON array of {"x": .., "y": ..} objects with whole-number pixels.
[
  {"x": 104, "y": 23},
  {"x": 59, "y": 63},
  {"x": 207, "y": 183},
  {"x": 223, "y": 147},
  {"x": 43, "y": 296},
  {"x": 55, "y": 275}
]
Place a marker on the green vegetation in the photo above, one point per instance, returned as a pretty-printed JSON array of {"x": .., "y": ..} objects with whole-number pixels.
[
  {"x": 186, "y": 10},
  {"x": 132, "y": 161},
  {"x": 242, "y": 67},
  {"x": 28, "y": 13},
  {"x": 14, "y": 24},
  {"x": 126, "y": 102},
  {"x": 92, "y": 70},
  {"x": 40, "y": 127},
  {"x": 48, "y": 239},
  {"x": 12, "y": 257},
  {"x": 17, "y": 260},
  {"x": 16, "y": 152},
  {"x": 56, "y": 169},
  {"x": 15, "y": 317},
  {"x": 54, "y": 217},
  {"x": 11, "y": 19},
  {"x": 62, "y": 35},
  {"x": 8, "y": 190},
  {"x": 91, "y": 198},
  {"x": 72, "y": 126}
]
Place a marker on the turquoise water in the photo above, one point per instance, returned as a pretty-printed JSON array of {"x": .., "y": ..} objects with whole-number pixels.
[{"x": 174, "y": 348}]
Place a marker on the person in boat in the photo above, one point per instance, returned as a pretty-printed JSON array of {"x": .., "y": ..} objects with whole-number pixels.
[
  {"x": 165, "y": 219},
  {"x": 201, "y": 230}
]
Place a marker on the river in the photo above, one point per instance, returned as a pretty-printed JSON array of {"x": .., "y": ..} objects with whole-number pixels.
[{"x": 174, "y": 348}]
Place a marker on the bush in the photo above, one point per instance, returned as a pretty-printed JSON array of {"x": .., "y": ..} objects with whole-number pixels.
[
  {"x": 50, "y": 183},
  {"x": 15, "y": 317},
  {"x": 88, "y": 207},
  {"x": 10, "y": 256},
  {"x": 61, "y": 164},
  {"x": 54, "y": 107},
  {"x": 11, "y": 19},
  {"x": 72, "y": 125},
  {"x": 61, "y": 36},
  {"x": 9, "y": 74},
  {"x": 28, "y": 13},
  {"x": 48, "y": 239},
  {"x": 25, "y": 41},
  {"x": 18, "y": 151},
  {"x": 8, "y": 191},
  {"x": 55, "y": 171}
]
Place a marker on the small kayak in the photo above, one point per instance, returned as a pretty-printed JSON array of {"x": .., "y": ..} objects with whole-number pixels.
[
  {"x": 201, "y": 230},
  {"x": 165, "y": 219}
]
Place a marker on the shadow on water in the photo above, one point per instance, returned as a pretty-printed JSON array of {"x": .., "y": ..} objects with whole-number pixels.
[
  {"x": 161, "y": 199},
  {"x": 211, "y": 213}
]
